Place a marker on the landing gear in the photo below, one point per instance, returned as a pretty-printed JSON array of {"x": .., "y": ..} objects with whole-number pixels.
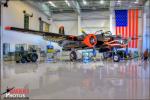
[
  {"x": 34, "y": 57},
  {"x": 107, "y": 55},
  {"x": 116, "y": 58},
  {"x": 73, "y": 56},
  {"x": 23, "y": 60}
]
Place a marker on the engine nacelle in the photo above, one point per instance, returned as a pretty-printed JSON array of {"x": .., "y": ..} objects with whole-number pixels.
[{"x": 90, "y": 40}]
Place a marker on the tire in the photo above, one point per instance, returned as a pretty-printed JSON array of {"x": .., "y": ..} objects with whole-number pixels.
[
  {"x": 34, "y": 57},
  {"x": 107, "y": 55},
  {"x": 73, "y": 56},
  {"x": 23, "y": 60},
  {"x": 116, "y": 58},
  {"x": 18, "y": 57},
  {"x": 17, "y": 61},
  {"x": 28, "y": 58}
]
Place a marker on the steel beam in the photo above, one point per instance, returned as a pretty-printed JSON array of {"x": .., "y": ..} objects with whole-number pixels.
[{"x": 75, "y": 5}]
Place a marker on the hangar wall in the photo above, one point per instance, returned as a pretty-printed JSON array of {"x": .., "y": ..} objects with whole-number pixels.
[
  {"x": 90, "y": 22},
  {"x": 13, "y": 16},
  {"x": 94, "y": 21},
  {"x": 68, "y": 20}
]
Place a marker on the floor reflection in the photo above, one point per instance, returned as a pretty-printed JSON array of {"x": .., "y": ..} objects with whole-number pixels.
[{"x": 64, "y": 80}]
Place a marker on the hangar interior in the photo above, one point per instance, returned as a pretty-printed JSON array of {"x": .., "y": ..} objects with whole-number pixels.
[{"x": 52, "y": 75}]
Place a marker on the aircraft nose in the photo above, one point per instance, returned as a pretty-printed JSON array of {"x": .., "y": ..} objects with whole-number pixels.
[{"x": 90, "y": 40}]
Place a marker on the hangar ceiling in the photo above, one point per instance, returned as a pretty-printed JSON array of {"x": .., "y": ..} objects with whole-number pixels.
[{"x": 50, "y": 7}]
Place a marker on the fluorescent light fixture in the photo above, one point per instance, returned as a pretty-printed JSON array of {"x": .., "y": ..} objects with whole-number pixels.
[
  {"x": 84, "y": 2},
  {"x": 102, "y": 2},
  {"x": 119, "y": 1},
  {"x": 52, "y": 4},
  {"x": 67, "y": 3},
  {"x": 137, "y": 1}
]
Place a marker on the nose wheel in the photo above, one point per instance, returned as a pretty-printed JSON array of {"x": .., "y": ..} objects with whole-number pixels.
[
  {"x": 116, "y": 58},
  {"x": 73, "y": 56}
]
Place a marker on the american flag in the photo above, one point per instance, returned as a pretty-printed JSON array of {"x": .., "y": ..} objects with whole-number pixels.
[{"x": 127, "y": 25}]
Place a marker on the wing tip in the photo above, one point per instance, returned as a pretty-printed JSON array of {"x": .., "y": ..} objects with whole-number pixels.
[{"x": 8, "y": 28}]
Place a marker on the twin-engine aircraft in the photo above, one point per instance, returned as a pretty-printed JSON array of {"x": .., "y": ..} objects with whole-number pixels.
[{"x": 103, "y": 42}]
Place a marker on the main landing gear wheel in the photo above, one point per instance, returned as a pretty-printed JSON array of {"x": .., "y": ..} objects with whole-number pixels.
[
  {"x": 34, "y": 57},
  {"x": 73, "y": 56},
  {"x": 116, "y": 58},
  {"x": 23, "y": 60}
]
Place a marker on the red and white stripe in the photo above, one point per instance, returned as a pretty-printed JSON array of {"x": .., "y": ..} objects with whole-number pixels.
[{"x": 131, "y": 30}]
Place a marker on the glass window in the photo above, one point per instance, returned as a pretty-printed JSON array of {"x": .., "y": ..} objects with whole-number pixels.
[
  {"x": 26, "y": 22},
  {"x": 47, "y": 27},
  {"x": 40, "y": 25},
  {"x": 6, "y": 48}
]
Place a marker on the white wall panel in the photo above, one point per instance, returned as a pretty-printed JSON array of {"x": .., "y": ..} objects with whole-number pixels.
[
  {"x": 13, "y": 16},
  {"x": 71, "y": 27},
  {"x": 94, "y": 25},
  {"x": 68, "y": 20},
  {"x": 90, "y": 21},
  {"x": 93, "y": 21}
]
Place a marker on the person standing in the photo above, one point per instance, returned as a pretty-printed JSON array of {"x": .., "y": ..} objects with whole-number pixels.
[{"x": 146, "y": 54}]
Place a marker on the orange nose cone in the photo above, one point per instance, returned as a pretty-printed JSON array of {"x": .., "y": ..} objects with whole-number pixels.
[{"x": 87, "y": 41}]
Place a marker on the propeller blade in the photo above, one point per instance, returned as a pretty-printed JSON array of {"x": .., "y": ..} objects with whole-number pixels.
[{"x": 83, "y": 32}]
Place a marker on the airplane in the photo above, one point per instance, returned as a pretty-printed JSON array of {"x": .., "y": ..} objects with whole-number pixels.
[{"x": 102, "y": 42}]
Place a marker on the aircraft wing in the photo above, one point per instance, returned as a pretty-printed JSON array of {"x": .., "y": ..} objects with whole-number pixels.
[{"x": 47, "y": 35}]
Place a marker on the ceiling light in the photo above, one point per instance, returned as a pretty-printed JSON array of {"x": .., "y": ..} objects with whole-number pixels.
[
  {"x": 102, "y": 2},
  {"x": 52, "y": 4},
  {"x": 137, "y": 1},
  {"x": 67, "y": 3},
  {"x": 84, "y": 2},
  {"x": 119, "y": 1}
]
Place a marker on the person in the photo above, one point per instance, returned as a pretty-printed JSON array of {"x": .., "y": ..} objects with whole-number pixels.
[
  {"x": 94, "y": 54},
  {"x": 146, "y": 54}
]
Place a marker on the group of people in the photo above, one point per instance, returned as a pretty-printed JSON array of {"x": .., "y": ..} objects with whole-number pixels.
[{"x": 144, "y": 56}]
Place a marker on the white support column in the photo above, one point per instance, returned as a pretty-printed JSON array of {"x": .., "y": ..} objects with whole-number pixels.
[
  {"x": 1, "y": 45},
  {"x": 146, "y": 37},
  {"x": 79, "y": 24},
  {"x": 144, "y": 33},
  {"x": 75, "y": 5},
  {"x": 112, "y": 22}
]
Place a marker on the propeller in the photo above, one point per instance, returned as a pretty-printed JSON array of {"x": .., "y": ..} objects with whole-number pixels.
[
  {"x": 90, "y": 39},
  {"x": 83, "y": 32}
]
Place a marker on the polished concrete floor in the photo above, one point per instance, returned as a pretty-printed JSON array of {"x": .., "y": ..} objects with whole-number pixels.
[{"x": 76, "y": 80}]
